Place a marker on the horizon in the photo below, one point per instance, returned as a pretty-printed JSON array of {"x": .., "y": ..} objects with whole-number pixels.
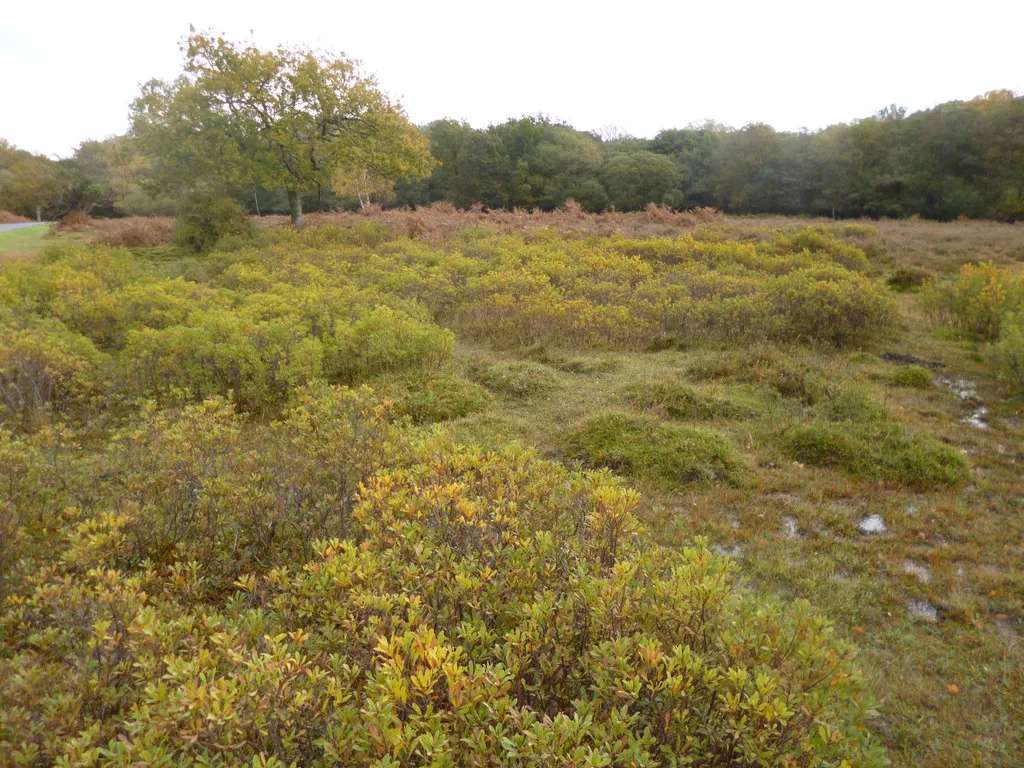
[{"x": 784, "y": 67}]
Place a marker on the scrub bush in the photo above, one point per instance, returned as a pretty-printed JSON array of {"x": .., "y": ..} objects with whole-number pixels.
[
  {"x": 45, "y": 368},
  {"x": 487, "y": 609},
  {"x": 978, "y": 300},
  {"x": 203, "y": 219},
  {"x": 433, "y": 398},
  {"x": 1008, "y": 352},
  {"x": 384, "y": 340},
  {"x": 222, "y": 352}
]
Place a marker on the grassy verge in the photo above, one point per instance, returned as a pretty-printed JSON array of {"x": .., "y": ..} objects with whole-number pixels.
[{"x": 27, "y": 241}]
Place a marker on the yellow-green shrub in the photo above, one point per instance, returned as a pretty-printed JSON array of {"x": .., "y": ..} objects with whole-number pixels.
[
  {"x": 45, "y": 367},
  {"x": 386, "y": 340},
  {"x": 489, "y": 609},
  {"x": 978, "y": 300},
  {"x": 832, "y": 306},
  {"x": 433, "y": 397},
  {"x": 195, "y": 488},
  {"x": 221, "y": 352},
  {"x": 1008, "y": 352}
]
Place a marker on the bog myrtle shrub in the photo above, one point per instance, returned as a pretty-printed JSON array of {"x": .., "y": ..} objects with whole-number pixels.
[
  {"x": 483, "y": 609},
  {"x": 1008, "y": 352},
  {"x": 222, "y": 352},
  {"x": 385, "y": 340},
  {"x": 45, "y": 368},
  {"x": 194, "y": 488},
  {"x": 978, "y": 299},
  {"x": 988, "y": 303},
  {"x": 433, "y": 397}
]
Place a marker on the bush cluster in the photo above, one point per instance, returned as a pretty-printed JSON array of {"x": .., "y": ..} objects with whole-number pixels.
[
  {"x": 204, "y": 219},
  {"x": 471, "y": 608},
  {"x": 988, "y": 303}
]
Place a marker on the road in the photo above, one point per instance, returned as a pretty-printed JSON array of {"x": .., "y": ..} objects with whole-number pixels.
[{"x": 9, "y": 227}]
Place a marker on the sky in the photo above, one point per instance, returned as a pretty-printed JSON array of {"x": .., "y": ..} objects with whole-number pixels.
[{"x": 71, "y": 69}]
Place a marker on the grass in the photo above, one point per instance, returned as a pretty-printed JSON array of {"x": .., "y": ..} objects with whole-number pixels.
[
  {"x": 914, "y": 376},
  {"x": 515, "y": 379},
  {"x": 669, "y": 455},
  {"x": 27, "y": 241},
  {"x": 680, "y": 401}
]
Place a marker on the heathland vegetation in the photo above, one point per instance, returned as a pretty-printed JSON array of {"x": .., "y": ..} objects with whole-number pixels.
[{"x": 431, "y": 487}]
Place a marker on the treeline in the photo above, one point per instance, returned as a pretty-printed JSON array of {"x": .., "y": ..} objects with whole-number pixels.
[{"x": 958, "y": 159}]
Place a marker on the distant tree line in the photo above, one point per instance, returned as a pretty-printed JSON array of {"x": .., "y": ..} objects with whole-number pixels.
[{"x": 957, "y": 159}]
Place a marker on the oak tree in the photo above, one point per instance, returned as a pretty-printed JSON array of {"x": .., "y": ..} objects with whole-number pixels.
[{"x": 291, "y": 118}]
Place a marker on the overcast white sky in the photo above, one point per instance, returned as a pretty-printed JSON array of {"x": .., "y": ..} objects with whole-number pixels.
[{"x": 70, "y": 69}]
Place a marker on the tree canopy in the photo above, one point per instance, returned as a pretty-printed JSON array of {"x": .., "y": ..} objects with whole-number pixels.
[{"x": 295, "y": 119}]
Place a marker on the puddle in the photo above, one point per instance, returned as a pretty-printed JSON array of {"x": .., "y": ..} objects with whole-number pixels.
[
  {"x": 965, "y": 389},
  {"x": 872, "y": 524},
  {"x": 922, "y": 609},
  {"x": 790, "y": 526},
  {"x": 918, "y": 570},
  {"x": 978, "y": 419},
  {"x": 734, "y": 551},
  {"x": 904, "y": 359}
]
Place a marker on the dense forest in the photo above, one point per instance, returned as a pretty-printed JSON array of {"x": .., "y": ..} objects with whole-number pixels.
[{"x": 957, "y": 159}]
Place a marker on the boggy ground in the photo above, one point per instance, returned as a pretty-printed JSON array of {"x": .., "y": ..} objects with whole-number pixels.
[{"x": 935, "y": 599}]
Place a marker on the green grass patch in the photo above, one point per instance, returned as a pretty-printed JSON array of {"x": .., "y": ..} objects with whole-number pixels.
[
  {"x": 26, "y": 241},
  {"x": 516, "y": 379},
  {"x": 667, "y": 454},
  {"x": 915, "y": 376},
  {"x": 885, "y": 453},
  {"x": 583, "y": 365},
  {"x": 680, "y": 401}
]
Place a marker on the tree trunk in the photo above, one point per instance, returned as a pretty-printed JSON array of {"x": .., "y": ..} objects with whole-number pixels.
[{"x": 295, "y": 206}]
